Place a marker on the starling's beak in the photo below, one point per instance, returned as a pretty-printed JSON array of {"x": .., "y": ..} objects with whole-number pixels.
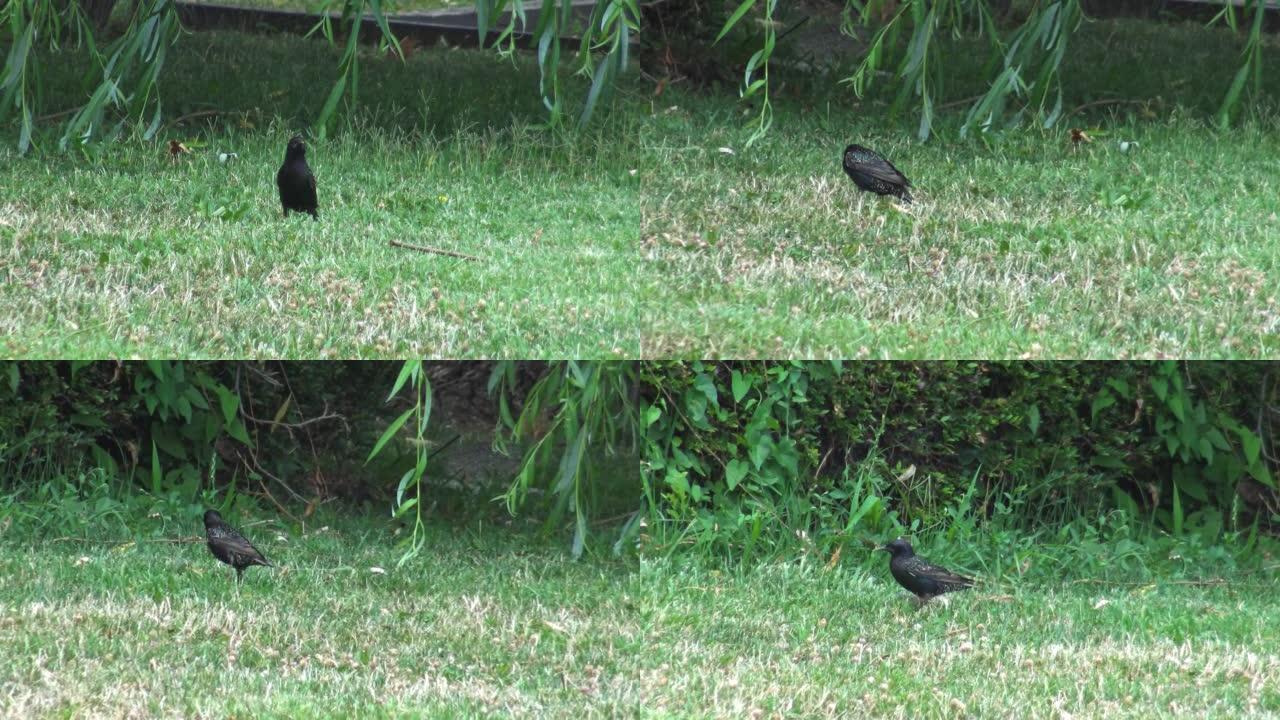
[{"x": 883, "y": 547}]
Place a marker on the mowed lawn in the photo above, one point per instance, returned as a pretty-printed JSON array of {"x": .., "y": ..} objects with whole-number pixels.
[
  {"x": 1018, "y": 244},
  {"x": 128, "y": 252},
  {"x": 493, "y": 626},
  {"x": 655, "y": 231}
]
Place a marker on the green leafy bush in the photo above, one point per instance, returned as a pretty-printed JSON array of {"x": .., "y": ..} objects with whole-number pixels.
[
  {"x": 751, "y": 457},
  {"x": 132, "y": 435}
]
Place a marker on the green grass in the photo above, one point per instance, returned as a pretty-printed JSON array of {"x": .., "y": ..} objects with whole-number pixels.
[
  {"x": 638, "y": 236},
  {"x": 498, "y": 627},
  {"x": 1017, "y": 246},
  {"x": 130, "y": 253}
]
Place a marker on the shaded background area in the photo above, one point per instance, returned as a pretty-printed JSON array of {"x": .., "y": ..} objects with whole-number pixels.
[{"x": 144, "y": 447}]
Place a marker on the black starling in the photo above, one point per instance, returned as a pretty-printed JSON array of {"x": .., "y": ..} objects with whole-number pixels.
[
  {"x": 925, "y": 580},
  {"x": 230, "y": 546},
  {"x": 872, "y": 172},
  {"x": 297, "y": 184}
]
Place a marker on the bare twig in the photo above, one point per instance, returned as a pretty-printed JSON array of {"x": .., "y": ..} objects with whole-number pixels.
[
  {"x": 434, "y": 251},
  {"x": 264, "y": 375},
  {"x": 317, "y": 476},
  {"x": 613, "y": 519},
  {"x": 94, "y": 541},
  {"x": 1209, "y": 582},
  {"x": 958, "y": 103},
  {"x": 825, "y": 457},
  {"x": 61, "y": 113},
  {"x": 272, "y": 498},
  {"x": 193, "y": 116},
  {"x": 1101, "y": 103},
  {"x": 301, "y": 423},
  {"x": 441, "y": 449}
]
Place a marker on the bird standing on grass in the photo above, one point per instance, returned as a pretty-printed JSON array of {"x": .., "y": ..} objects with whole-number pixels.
[
  {"x": 871, "y": 172},
  {"x": 925, "y": 580},
  {"x": 229, "y": 546},
  {"x": 294, "y": 179}
]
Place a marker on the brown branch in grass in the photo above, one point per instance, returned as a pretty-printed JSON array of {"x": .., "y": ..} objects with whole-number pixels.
[
  {"x": 1120, "y": 583},
  {"x": 193, "y": 116},
  {"x": 94, "y": 541},
  {"x": 1103, "y": 103},
  {"x": 611, "y": 520},
  {"x": 61, "y": 113},
  {"x": 1082, "y": 108},
  {"x": 1209, "y": 582},
  {"x": 958, "y": 103},
  {"x": 434, "y": 251}
]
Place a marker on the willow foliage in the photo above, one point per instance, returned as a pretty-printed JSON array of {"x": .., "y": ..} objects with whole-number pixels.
[{"x": 1025, "y": 80}]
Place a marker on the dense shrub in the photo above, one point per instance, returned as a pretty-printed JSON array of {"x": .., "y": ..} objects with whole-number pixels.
[
  {"x": 743, "y": 453},
  {"x": 109, "y": 440},
  {"x": 164, "y": 426}
]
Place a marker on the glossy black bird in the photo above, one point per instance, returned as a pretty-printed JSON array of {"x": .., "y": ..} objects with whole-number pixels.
[
  {"x": 294, "y": 179},
  {"x": 870, "y": 171},
  {"x": 229, "y": 546},
  {"x": 925, "y": 580}
]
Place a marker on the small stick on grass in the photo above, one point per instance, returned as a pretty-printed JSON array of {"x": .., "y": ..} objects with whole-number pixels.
[
  {"x": 1104, "y": 103},
  {"x": 434, "y": 251},
  {"x": 94, "y": 541},
  {"x": 193, "y": 116}
]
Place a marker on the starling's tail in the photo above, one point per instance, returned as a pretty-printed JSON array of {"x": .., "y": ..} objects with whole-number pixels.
[{"x": 905, "y": 195}]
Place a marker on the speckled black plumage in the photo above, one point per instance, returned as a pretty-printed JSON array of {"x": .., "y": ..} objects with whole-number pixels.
[
  {"x": 230, "y": 546},
  {"x": 871, "y": 172},
  {"x": 294, "y": 180},
  {"x": 924, "y": 580}
]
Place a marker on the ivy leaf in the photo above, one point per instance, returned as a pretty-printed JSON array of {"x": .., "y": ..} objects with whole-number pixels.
[
  {"x": 1251, "y": 446},
  {"x": 707, "y": 386},
  {"x": 734, "y": 472},
  {"x": 760, "y": 451},
  {"x": 740, "y": 386},
  {"x": 1103, "y": 401},
  {"x": 678, "y": 481}
]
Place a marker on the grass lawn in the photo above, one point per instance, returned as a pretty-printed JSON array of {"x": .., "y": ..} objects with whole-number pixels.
[
  {"x": 1018, "y": 245},
  {"x": 479, "y": 626},
  {"x": 639, "y": 236},
  {"x": 128, "y": 253}
]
